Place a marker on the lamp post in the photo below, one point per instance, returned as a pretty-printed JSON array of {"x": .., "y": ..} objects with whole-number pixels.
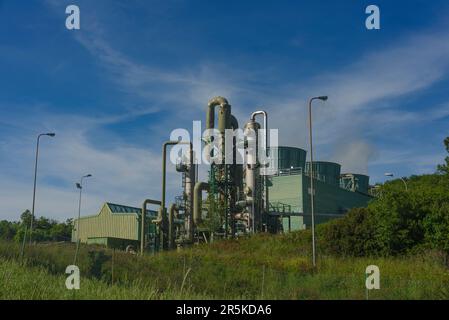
[
  {"x": 79, "y": 186},
  {"x": 389, "y": 174},
  {"x": 35, "y": 178},
  {"x": 312, "y": 191}
]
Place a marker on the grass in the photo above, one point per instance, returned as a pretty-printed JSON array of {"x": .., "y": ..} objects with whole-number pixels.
[
  {"x": 36, "y": 283},
  {"x": 260, "y": 267}
]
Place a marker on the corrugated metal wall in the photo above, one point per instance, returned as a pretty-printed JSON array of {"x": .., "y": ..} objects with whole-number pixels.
[{"x": 106, "y": 224}]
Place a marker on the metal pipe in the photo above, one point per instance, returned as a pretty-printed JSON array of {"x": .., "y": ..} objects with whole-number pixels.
[
  {"x": 162, "y": 213},
  {"x": 265, "y": 126},
  {"x": 225, "y": 111},
  {"x": 197, "y": 201},
  {"x": 171, "y": 214},
  {"x": 142, "y": 223},
  {"x": 224, "y": 119}
]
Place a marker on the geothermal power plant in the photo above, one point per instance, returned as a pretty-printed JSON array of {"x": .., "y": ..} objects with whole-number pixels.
[{"x": 237, "y": 199}]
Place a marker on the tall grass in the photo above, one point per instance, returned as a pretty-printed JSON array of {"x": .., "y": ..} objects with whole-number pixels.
[
  {"x": 263, "y": 266},
  {"x": 28, "y": 283}
]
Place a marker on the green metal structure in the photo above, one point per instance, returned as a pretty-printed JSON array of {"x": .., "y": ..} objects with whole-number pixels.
[
  {"x": 289, "y": 191},
  {"x": 115, "y": 226},
  {"x": 288, "y": 158}
]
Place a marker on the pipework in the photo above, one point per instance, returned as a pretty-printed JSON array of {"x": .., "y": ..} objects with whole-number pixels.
[
  {"x": 223, "y": 116},
  {"x": 142, "y": 227},
  {"x": 171, "y": 215},
  {"x": 266, "y": 145},
  {"x": 197, "y": 201},
  {"x": 162, "y": 212}
]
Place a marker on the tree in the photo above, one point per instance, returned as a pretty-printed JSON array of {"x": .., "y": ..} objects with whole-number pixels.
[
  {"x": 25, "y": 217},
  {"x": 7, "y": 230},
  {"x": 444, "y": 168}
]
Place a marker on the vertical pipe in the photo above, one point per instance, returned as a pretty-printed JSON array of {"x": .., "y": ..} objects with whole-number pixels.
[
  {"x": 142, "y": 221},
  {"x": 197, "y": 201},
  {"x": 171, "y": 214},
  {"x": 162, "y": 212},
  {"x": 224, "y": 122},
  {"x": 265, "y": 125}
]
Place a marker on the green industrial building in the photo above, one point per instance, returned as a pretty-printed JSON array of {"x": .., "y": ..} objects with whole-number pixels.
[
  {"x": 114, "y": 226},
  {"x": 289, "y": 189}
]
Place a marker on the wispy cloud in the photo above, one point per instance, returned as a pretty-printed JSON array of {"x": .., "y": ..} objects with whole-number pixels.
[
  {"x": 122, "y": 174},
  {"x": 364, "y": 100},
  {"x": 365, "y": 106}
]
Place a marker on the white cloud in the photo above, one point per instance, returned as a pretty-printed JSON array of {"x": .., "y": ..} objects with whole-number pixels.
[
  {"x": 121, "y": 174},
  {"x": 345, "y": 127},
  {"x": 357, "y": 108}
]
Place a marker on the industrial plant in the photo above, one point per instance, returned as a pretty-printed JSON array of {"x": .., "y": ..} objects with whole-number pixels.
[{"x": 238, "y": 199}]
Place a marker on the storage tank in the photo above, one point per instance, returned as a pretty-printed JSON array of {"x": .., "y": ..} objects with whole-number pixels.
[
  {"x": 325, "y": 171},
  {"x": 288, "y": 158}
]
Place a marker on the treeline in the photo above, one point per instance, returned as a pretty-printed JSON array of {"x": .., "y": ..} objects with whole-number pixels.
[
  {"x": 398, "y": 221},
  {"x": 44, "y": 229}
]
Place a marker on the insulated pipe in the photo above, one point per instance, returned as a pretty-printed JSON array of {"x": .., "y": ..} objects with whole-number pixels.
[
  {"x": 265, "y": 126},
  {"x": 234, "y": 122},
  {"x": 142, "y": 223},
  {"x": 223, "y": 116},
  {"x": 197, "y": 200},
  {"x": 164, "y": 178},
  {"x": 171, "y": 214}
]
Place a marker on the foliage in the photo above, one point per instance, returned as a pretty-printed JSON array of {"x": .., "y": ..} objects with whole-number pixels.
[
  {"x": 350, "y": 236},
  {"x": 262, "y": 266},
  {"x": 396, "y": 222},
  {"x": 44, "y": 229},
  {"x": 444, "y": 168}
]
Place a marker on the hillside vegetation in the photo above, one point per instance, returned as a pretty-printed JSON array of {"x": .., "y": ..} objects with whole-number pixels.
[
  {"x": 397, "y": 222},
  {"x": 261, "y": 267}
]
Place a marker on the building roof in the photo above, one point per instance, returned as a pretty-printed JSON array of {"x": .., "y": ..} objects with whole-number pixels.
[{"x": 118, "y": 209}]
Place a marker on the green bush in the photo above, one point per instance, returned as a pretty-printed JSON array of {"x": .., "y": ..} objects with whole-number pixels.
[
  {"x": 352, "y": 235},
  {"x": 397, "y": 222}
]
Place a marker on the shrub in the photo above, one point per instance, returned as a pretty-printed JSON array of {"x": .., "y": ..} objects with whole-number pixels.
[{"x": 397, "y": 222}]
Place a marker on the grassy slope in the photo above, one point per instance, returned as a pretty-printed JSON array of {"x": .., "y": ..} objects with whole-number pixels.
[
  {"x": 35, "y": 283},
  {"x": 269, "y": 267}
]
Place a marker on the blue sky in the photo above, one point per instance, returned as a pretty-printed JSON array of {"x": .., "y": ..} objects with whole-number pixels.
[{"x": 136, "y": 70}]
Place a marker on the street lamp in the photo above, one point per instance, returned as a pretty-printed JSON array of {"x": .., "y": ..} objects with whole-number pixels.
[
  {"x": 312, "y": 206},
  {"x": 35, "y": 177},
  {"x": 389, "y": 174},
  {"x": 79, "y": 186}
]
